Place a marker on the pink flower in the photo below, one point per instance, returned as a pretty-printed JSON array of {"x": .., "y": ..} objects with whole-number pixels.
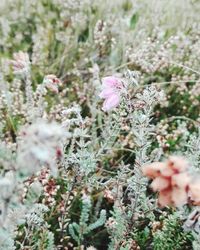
[
  {"x": 177, "y": 163},
  {"x": 111, "y": 92},
  {"x": 164, "y": 198},
  {"x": 154, "y": 169},
  {"x": 52, "y": 83},
  {"x": 160, "y": 183},
  {"x": 20, "y": 63},
  {"x": 171, "y": 180}
]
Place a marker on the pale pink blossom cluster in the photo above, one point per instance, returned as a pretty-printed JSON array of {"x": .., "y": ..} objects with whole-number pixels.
[
  {"x": 173, "y": 182},
  {"x": 52, "y": 82},
  {"x": 111, "y": 88},
  {"x": 20, "y": 62}
]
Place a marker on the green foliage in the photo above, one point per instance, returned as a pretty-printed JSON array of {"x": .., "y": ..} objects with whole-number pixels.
[
  {"x": 172, "y": 236},
  {"x": 142, "y": 237},
  {"x": 118, "y": 231},
  {"x": 78, "y": 231}
]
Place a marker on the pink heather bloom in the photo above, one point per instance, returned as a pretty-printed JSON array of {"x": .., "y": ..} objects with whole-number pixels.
[
  {"x": 170, "y": 180},
  {"x": 20, "y": 63},
  {"x": 52, "y": 83},
  {"x": 111, "y": 92}
]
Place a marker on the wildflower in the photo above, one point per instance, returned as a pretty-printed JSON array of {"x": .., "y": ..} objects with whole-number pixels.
[
  {"x": 111, "y": 92},
  {"x": 50, "y": 190},
  {"x": 170, "y": 179},
  {"x": 52, "y": 82},
  {"x": 177, "y": 164},
  {"x": 20, "y": 63}
]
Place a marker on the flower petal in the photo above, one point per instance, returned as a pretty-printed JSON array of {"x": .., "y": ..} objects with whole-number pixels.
[
  {"x": 110, "y": 81},
  {"x": 166, "y": 171},
  {"x": 160, "y": 183},
  {"x": 179, "y": 196},
  {"x": 153, "y": 170},
  {"x": 111, "y": 102},
  {"x": 181, "y": 180},
  {"x": 164, "y": 198},
  {"x": 177, "y": 163},
  {"x": 105, "y": 93}
]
